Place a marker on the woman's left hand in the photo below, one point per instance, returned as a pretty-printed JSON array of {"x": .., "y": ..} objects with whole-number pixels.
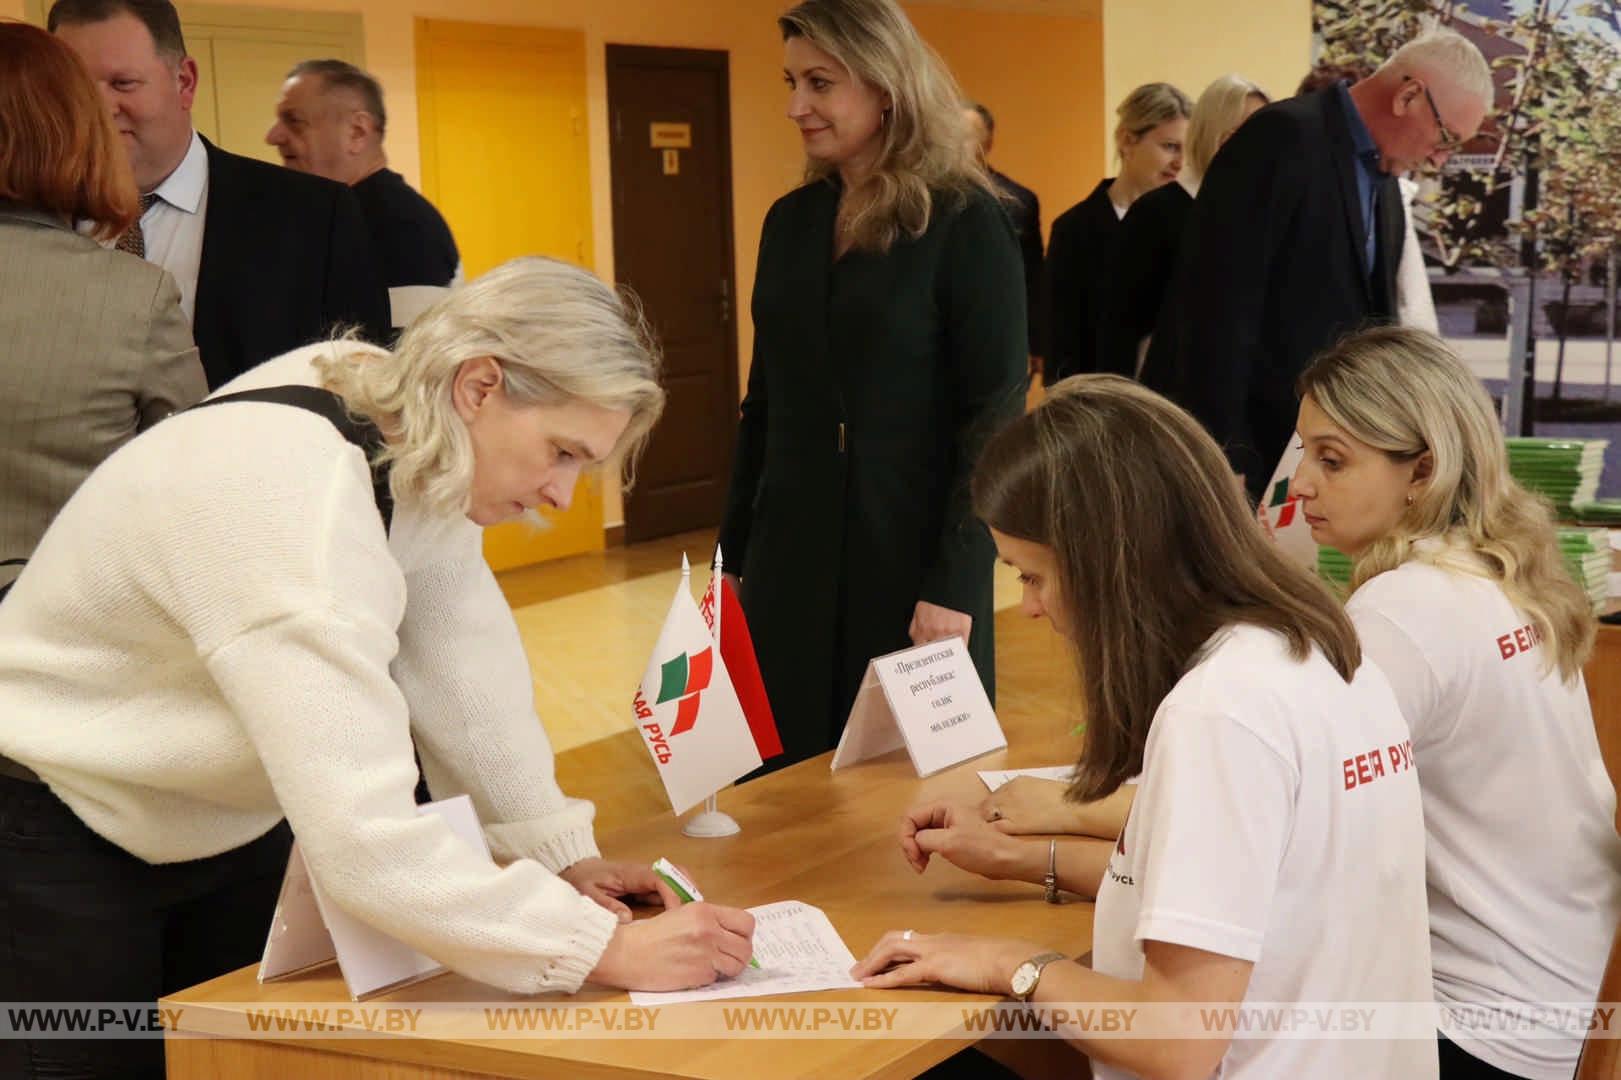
[
  {"x": 982, "y": 965},
  {"x": 931, "y": 622},
  {"x": 604, "y": 882}
]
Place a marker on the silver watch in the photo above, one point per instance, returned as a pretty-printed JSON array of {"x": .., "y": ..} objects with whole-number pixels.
[{"x": 1028, "y": 974}]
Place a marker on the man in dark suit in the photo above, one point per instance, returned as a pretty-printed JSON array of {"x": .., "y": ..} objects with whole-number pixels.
[
  {"x": 266, "y": 259},
  {"x": 1025, "y": 211},
  {"x": 1295, "y": 238}
]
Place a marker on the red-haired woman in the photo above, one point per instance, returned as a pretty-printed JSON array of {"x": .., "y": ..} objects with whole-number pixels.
[{"x": 94, "y": 343}]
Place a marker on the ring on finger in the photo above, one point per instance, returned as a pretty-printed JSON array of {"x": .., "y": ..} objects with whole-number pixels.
[{"x": 906, "y": 935}]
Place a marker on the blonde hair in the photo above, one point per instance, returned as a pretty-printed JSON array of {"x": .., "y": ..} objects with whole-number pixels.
[
  {"x": 1219, "y": 111},
  {"x": 1402, "y": 391},
  {"x": 559, "y": 334},
  {"x": 1152, "y": 560},
  {"x": 1146, "y": 108},
  {"x": 1445, "y": 52},
  {"x": 924, "y": 153}
]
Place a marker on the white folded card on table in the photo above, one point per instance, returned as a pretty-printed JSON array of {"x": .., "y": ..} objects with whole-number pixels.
[
  {"x": 928, "y": 699},
  {"x": 995, "y": 778},
  {"x": 308, "y": 929}
]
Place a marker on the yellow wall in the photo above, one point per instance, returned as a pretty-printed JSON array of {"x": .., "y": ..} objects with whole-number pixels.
[
  {"x": 1039, "y": 75},
  {"x": 1190, "y": 42}
]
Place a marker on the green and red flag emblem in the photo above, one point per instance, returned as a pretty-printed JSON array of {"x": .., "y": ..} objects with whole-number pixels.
[{"x": 682, "y": 679}]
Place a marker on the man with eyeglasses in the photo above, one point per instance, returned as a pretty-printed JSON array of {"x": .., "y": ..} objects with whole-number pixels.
[{"x": 1295, "y": 239}]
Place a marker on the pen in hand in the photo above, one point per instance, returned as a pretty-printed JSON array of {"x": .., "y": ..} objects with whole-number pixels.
[{"x": 685, "y": 889}]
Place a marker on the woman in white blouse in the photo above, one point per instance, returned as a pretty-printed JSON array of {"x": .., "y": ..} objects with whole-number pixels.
[
  {"x": 1461, "y": 596},
  {"x": 240, "y": 618}
]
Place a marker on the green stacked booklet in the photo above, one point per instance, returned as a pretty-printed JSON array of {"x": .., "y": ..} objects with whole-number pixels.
[
  {"x": 1587, "y": 554},
  {"x": 1565, "y": 470},
  {"x": 1334, "y": 567},
  {"x": 1598, "y": 512}
]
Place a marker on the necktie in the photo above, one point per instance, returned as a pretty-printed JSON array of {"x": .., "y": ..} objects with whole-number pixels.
[{"x": 134, "y": 239}]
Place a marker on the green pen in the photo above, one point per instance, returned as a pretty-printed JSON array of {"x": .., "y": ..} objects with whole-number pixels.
[{"x": 685, "y": 889}]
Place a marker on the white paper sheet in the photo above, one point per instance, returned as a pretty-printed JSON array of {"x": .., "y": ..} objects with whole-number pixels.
[
  {"x": 799, "y": 952},
  {"x": 995, "y": 778}
]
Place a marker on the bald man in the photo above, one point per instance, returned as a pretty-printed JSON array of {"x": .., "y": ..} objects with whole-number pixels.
[
  {"x": 1296, "y": 236},
  {"x": 330, "y": 122}
]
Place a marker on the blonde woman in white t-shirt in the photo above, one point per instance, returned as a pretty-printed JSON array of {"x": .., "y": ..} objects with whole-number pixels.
[
  {"x": 1461, "y": 596},
  {"x": 225, "y": 626},
  {"x": 1275, "y": 850}
]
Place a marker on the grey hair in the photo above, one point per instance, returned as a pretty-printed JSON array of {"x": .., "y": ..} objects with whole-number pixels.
[
  {"x": 560, "y": 335},
  {"x": 1445, "y": 52},
  {"x": 342, "y": 75},
  {"x": 1219, "y": 111}
]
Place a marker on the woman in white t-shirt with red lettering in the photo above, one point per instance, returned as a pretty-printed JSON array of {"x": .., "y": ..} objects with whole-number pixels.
[
  {"x": 1251, "y": 869},
  {"x": 1461, "y": 596}
]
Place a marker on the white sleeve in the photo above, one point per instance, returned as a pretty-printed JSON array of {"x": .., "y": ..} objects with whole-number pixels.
[
  {"x": 1406, "y": 666},
  {"x": 466, "y": 678},
  {"x": 1413, "y": 298},
  {"x": 312, "y": 689},
  {"x": 1221, "y": 806}
]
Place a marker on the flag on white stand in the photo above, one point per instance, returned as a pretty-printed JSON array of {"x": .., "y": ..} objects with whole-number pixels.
[
  {"x": 1280, "y": 513},
  {"x": 688, "y": 712}
]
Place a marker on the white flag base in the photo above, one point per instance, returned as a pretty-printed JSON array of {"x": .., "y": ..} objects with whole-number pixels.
[{"x": 711, "y": 823}]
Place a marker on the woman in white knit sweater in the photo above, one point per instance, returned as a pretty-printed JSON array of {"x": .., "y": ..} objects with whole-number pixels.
[{"x": 218, "y": 631}]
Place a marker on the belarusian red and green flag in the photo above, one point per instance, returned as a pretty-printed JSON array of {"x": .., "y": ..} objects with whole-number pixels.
[{"x": 688, "y": 712}]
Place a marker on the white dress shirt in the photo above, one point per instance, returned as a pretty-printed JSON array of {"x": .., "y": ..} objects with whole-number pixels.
[{"x": 173, "y": 224}]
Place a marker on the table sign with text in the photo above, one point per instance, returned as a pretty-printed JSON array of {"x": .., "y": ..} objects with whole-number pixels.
[
  {"x": 927, "y": 698},
  {"x": 308, "y": 929}
]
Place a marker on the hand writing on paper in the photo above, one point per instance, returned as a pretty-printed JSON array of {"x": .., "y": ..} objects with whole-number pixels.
[
  {"x": 605, "y": 882},
  {"x": 682, "y": 948},
  {"x": 931, "y": 622},
  {"x": 963, "y": 838},
  {"x": 982, "y": 965}
]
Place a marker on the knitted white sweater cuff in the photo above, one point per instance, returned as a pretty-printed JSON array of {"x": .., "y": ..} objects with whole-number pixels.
[{"x": 556, "y": 841}]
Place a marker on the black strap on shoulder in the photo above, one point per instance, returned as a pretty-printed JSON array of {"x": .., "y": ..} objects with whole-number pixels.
[{"x": 360, "y": 432}]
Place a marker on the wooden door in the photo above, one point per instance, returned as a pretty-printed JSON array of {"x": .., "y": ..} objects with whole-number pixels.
[{"x": 672, "y": 214}]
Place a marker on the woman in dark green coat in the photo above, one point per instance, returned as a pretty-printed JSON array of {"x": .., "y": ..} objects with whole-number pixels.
[{"x": 889, "y": 343}]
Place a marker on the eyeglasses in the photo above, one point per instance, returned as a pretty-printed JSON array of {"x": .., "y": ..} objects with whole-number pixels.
[{"x": 1449, "y": 142}]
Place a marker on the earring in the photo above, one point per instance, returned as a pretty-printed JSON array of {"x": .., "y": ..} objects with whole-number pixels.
[{"x": 1409, "y": 498}]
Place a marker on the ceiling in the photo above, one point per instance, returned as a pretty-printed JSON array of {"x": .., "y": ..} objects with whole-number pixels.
[{"x": 1086, "y": 9}]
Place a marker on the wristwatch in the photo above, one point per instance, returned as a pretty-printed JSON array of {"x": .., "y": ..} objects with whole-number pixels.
[{"x": 1028, "y": 974}]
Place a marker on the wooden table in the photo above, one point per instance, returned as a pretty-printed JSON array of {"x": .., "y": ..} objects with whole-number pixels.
[{"x": 828, "y": 839}]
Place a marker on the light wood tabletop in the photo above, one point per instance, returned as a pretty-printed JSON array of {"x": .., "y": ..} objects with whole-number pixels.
[
  {"x": 828, "y": 839},
  {"x": 825, "y": 838}
]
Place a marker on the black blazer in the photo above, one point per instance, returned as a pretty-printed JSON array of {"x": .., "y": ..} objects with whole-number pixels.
[
  {"x": 1080, "y": 258},
  {"x": 1145, "y": 258},
  {"x": 285, "y": 259},
  {"x": 1024, "y": 209},
  {"x": 1271, "y": 271}
]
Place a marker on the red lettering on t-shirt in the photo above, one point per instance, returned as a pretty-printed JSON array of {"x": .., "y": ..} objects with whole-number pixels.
[
  {"x": 1521, "y": 640},
  {"x": 1366, "y": 768}
]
